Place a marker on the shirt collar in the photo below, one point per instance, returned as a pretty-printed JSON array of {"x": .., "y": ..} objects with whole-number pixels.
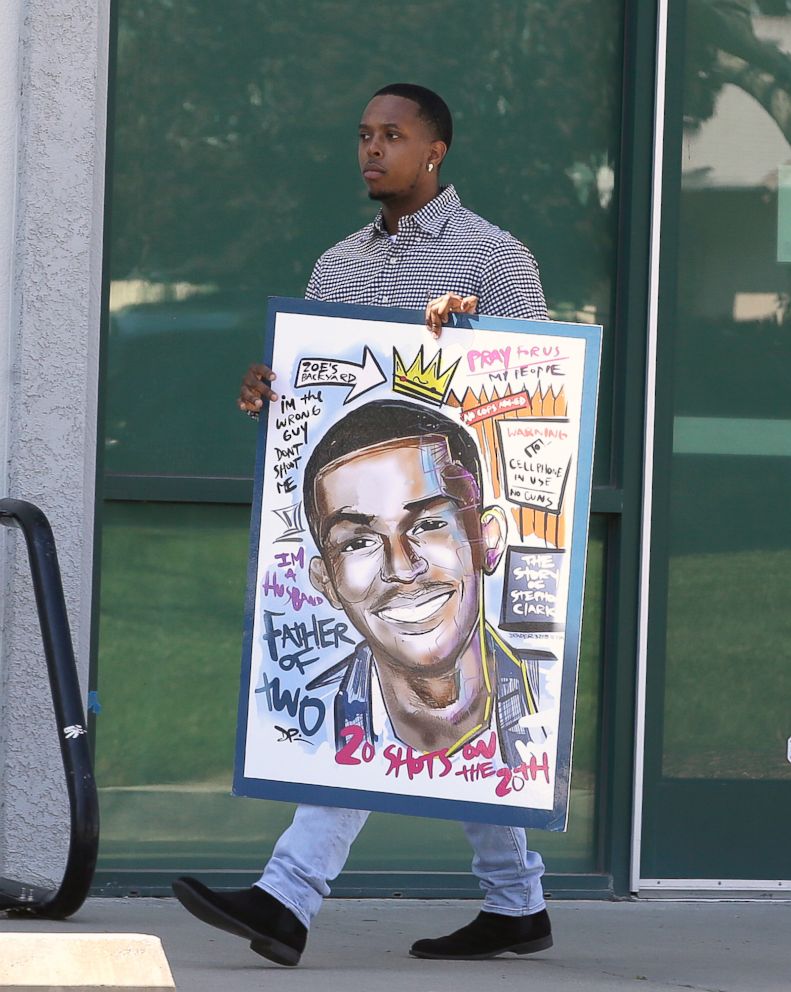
[{"x": 430, "y": 219}]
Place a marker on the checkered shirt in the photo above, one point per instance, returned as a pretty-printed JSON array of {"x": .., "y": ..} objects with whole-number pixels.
[{"x": 442, "y": 248}]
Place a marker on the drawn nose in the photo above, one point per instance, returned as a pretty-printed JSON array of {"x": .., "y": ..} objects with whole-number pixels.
[{"x": 401, "y": 563}]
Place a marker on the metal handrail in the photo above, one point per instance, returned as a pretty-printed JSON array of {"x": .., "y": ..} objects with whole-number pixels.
[{"x": 70, "y": 720}]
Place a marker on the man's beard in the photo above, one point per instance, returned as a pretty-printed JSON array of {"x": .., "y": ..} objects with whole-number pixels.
[{"x": 382, "y": 196}]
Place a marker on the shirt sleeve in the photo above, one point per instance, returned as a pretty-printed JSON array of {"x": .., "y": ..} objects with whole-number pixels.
[
  {"x": 511, "y": 284},
  {"x": 313, "y": 292}
]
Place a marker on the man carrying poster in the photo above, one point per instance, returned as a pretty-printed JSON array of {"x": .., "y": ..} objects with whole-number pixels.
[{"x": 424, "y": 250}]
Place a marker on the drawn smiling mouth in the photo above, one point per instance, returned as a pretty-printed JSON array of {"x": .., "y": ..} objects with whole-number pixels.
[{"x": 415, "y": 612}]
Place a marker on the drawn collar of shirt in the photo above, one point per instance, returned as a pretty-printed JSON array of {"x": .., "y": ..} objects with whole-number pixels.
[
  {"x": 429, "y": 220},
  {"x": 507, "y": 679}
]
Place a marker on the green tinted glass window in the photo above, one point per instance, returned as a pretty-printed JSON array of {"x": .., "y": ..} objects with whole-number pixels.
[
  {"x": 729, "y": 608},
  {"x": 170, "y": 647},
  {"x": 234, "y": 166},
  {"x": 718, "y": 727}
]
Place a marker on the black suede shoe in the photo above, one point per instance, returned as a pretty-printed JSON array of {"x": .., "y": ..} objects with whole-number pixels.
[
  {"x": 488, "y": 935},
  {"x": 272, "y": 929}
]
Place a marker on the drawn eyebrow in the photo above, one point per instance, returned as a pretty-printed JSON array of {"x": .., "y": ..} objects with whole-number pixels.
[
  {"x": 428, "y": 502},
  {"x": 344, "y": 516}
]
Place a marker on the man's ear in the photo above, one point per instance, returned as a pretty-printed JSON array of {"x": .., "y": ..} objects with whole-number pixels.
[
  {"x": 321, "y": 581},
  {"x": 494, "y": 528},
  {"x": 437, "y": 153}
]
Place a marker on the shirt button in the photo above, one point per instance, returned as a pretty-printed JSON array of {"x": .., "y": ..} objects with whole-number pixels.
[
  {"x": 393, "y": 259},
  {"x": 384, "y": 299}
]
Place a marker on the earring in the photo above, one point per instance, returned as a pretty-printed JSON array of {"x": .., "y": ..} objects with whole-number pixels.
[{"x": 430, "y": 167}]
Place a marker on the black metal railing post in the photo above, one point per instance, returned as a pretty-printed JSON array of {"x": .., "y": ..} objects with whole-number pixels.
[{"x": 70, "y": 720}]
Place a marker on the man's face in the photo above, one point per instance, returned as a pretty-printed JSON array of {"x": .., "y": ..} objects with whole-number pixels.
[
  {"x": 395, "y": 147},
  {"x": 404, "y": 550}
]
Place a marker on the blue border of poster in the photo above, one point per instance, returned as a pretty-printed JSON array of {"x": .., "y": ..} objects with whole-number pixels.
[{"x": 427, "y": 805}]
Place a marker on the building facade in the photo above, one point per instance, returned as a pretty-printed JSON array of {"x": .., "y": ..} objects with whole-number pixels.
[{"x": 165, "y": 167}]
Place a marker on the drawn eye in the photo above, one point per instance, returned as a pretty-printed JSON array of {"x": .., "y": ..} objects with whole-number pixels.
[
  {"x": 357, "y": 544},
  {"x": 426, "y": 526}
]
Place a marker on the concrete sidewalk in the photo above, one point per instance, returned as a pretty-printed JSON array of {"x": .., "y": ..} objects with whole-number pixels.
[{"x": 362, "y": 946}]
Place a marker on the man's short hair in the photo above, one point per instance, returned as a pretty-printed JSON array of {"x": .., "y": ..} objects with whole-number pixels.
[
  {"x": 376, "y": 423},
  {"x": 433, "y": 109}
]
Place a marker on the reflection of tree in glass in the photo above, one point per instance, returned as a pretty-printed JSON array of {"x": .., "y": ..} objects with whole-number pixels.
[
  {"x": 235, "y": 130},
  {"x": 723, "y": 49}
]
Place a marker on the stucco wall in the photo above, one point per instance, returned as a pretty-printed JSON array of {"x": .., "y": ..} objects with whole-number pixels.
[{"x": 53, "y": 99}]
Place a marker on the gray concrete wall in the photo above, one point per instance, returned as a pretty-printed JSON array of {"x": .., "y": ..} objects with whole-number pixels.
[{"x": 52, "y": 128}]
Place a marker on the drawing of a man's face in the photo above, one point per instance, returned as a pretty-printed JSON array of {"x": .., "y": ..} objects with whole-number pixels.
[{"x": 404, "y": 548}]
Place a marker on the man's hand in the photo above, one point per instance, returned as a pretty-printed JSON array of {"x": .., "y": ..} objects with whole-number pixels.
[
  {"x": 438, "y": 311},
  {"x": 255, "y": 388}
]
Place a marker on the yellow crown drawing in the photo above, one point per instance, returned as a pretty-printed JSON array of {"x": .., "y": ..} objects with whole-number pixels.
[{"x": 423, "y": 382}]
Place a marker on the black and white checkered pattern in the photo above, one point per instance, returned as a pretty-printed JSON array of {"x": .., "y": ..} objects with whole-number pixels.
[{"x": 443, "y": 248}]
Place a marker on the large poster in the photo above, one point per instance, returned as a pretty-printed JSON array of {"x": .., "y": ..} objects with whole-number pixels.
[{"x": 417, "y": 564}]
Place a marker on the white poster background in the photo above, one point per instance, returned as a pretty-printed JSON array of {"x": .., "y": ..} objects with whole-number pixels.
[{"x": 276, "y": 720}]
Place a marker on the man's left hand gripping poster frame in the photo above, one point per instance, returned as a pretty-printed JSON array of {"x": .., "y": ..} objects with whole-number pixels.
[{"x": 417, "y": 563}]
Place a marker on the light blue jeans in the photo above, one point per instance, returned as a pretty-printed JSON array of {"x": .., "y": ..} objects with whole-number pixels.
[{"x": 314, "y": 849}]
